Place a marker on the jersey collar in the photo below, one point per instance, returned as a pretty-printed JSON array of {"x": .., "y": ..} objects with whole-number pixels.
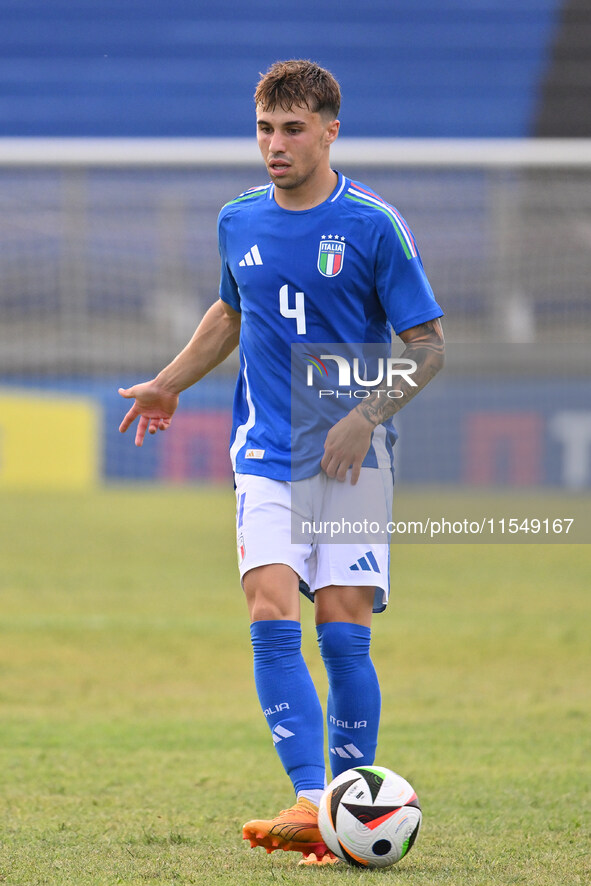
[{"x": 339, "y": 188}]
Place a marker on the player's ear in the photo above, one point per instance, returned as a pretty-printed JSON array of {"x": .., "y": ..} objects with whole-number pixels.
[{"x": 332, "y": 130}]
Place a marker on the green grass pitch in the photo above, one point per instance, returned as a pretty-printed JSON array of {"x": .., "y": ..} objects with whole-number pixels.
[{"x": 131, "y": 743}]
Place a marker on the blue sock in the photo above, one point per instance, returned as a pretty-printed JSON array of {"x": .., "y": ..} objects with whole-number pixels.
[
  {"x": 289, "y": 701},
  {"x": 354, "y": 699}
]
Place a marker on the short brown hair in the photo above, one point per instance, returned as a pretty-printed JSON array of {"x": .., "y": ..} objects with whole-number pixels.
[{"x": 300, "y": 82}]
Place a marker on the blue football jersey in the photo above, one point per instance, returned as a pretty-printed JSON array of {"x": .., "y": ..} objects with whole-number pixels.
[{"x": 347, "y": 270}]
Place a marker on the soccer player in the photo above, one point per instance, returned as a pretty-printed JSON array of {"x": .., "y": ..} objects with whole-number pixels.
[{"x": 312, "y": 257}]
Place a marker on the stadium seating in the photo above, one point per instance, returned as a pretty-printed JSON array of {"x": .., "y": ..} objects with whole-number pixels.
[
  {"x": 104, "y": 272},
  {"x": 187, "y": 67}
]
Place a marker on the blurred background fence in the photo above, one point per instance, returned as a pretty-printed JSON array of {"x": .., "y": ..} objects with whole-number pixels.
[
  {"x": 108, "y": 262},
  {"x": 125, "y": 128}
]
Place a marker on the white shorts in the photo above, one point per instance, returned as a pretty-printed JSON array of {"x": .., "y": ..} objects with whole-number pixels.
[{"x": 265, "y": 524}]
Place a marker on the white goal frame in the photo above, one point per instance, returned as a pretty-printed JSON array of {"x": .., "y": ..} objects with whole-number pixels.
[{"x": 240, "y": 152}]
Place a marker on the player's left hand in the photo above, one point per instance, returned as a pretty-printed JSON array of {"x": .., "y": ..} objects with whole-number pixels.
[{"x": 346, "y": 446}]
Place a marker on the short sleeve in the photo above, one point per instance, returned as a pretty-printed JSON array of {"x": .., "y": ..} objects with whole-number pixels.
[
  {"x": 229, "y": 292},
  {"x": 401, "y": 282}
]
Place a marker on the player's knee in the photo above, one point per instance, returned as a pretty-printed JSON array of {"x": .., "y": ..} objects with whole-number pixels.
[
  {"x": 263, "y": 609},
  {"x": 344, "y": 604},
  {"x": 342, "y": 641},
  {"x": 272, "y": 594}
]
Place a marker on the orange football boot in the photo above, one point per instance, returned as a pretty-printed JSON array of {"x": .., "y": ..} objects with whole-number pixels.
[
  {"x": 313, "y": 861},
  {"x": 294, "y": 829}
]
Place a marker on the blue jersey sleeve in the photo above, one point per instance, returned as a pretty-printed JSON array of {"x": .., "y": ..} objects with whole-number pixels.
[
  {"x": 401, "y": 282},
  {"x": 229, "y": 292}
]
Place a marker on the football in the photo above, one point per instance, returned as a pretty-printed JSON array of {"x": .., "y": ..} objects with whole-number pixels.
[{"x": 369, "y": 817}]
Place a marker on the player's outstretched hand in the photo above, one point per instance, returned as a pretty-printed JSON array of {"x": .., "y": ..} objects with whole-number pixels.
[
  {"x": 153, "y": 404},
  {"x": 346, "y": 446}
]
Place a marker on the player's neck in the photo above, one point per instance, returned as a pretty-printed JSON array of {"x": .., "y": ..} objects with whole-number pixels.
[{"x": 310, "y": 193}]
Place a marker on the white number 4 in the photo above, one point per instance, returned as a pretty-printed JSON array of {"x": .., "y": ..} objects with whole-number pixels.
[{"x": 296, "y": 313}]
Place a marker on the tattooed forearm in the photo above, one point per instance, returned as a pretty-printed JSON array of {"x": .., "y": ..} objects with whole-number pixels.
[{"x": 425, "y": 345}]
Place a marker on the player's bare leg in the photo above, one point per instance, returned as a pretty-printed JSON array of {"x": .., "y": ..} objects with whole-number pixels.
[
  {"x": 344, "y": 604},
  {"x": 272, "y": 592}
]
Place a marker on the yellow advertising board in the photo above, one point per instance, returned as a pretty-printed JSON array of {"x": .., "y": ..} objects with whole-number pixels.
[{"x": 48, "y": 441}]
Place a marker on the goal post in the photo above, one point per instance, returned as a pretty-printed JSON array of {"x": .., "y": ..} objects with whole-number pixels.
[{"x": 239, "y": 152}]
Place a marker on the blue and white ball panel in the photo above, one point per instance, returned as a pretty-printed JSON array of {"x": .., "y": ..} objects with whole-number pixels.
[{"x": 369, "y": 817}]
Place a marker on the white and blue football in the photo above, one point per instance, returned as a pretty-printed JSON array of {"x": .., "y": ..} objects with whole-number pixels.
[{"x": 369, "y": 817}]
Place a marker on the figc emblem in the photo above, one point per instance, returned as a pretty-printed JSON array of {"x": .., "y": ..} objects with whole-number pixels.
[{"x": 331, "y": 253}]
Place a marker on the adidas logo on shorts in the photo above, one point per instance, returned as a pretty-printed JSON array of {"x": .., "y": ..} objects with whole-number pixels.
[{"x": 367, "y": 563}]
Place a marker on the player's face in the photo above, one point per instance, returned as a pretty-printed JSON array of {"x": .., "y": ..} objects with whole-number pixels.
[{"x": 295, "y": 146}]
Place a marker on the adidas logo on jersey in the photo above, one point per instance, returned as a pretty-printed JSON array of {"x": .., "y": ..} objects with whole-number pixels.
[
  {"x": 252, "y": 257},
  {"x": 367, "y": 563}
]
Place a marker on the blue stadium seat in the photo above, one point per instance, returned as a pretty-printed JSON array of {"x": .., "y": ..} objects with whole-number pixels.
[{"x": 187, "y": 67}]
